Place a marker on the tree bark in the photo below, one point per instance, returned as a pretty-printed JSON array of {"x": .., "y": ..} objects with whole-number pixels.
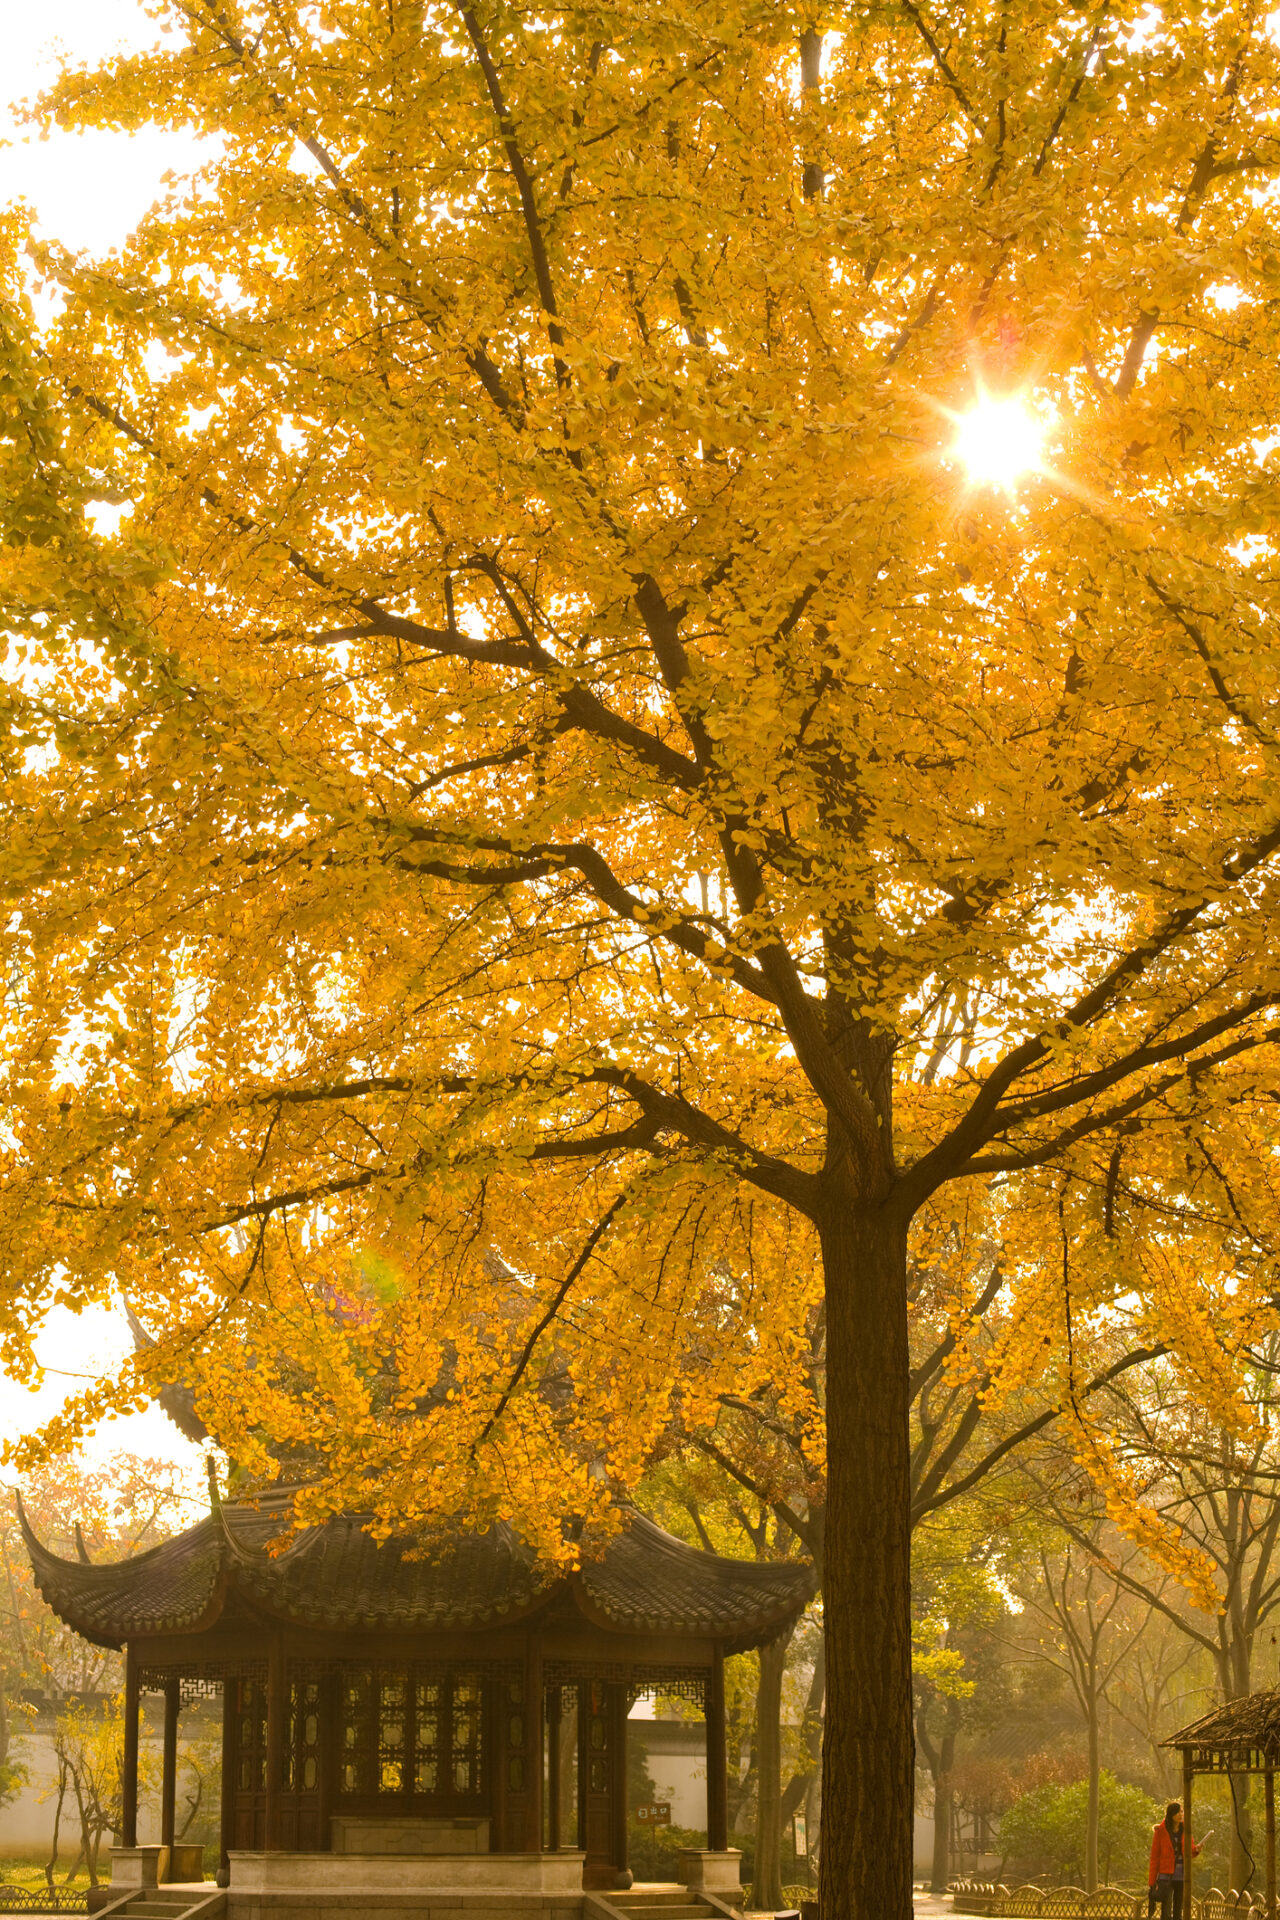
[
  {"x": 868, "y": 1748},
  {"x": 766, "y": 1878}
]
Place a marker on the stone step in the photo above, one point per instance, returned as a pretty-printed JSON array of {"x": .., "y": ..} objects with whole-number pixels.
[
  {"x": 649, "y": 1893},
  {"x": 654, "y": 1895},
  {"x": 160, "y": 1906},
  {"x": 666, "y": 1909}
]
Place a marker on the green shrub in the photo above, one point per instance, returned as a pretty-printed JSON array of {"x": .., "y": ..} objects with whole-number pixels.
[{"x": 1044, "y": 1832}]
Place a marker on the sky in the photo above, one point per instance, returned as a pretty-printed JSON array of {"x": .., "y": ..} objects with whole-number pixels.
[{"x": 88, "y": 191}]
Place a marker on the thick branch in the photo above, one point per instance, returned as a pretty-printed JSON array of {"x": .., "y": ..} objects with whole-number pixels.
[
  {"x": 558, "y": 1299},
  {"x": 931, "y": 1495}
]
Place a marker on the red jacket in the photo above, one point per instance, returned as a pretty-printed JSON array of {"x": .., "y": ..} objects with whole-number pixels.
[{"x": 1163, "y": 1858}]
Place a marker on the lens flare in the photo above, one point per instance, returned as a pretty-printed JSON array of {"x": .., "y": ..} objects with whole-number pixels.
[{"x": 998, "y": 442}]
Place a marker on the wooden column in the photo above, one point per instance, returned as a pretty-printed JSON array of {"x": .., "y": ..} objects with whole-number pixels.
[
  {"x": 229, "y": 1706},
  {"x": 1187, "y": 1867},
  {"x": 555, "y": 1701},
  {"x": 534, "y": 1744},
  {"x": 129, "y": 1783},
  {"x": 169, "y": 1769},
  {"x": 717, "y": 1759},
  {"x": 618, "y": 1772},
  {"x": 277, "y": 1714},
  {"x": 330, "y": 1750},
  {"x": 1271, "y": 1842}
]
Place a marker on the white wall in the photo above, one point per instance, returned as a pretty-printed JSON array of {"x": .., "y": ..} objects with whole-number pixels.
[
  {"x": 26, "y": 1824},
  {"x": 677, "y": 1757}
]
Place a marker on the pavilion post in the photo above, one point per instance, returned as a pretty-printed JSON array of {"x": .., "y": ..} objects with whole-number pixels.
[
  {"x": 169, "y": 1769},
  {"x": 129, "y": 1782},
  {"x": 619, "y": 1712},
  {"x": 535, "y": 1744},
  {"x": 230, "y": 1690},
  {"x": 1271, "y": 1841},
  {"x": 717, "y": 1759},
  {"x": 1188, "y": 1867},
  {"x": 277, "y": 1709},
  {"x": 555, "y": 1699}
]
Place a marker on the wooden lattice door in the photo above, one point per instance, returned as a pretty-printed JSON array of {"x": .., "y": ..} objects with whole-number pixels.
[{"x": 602, "y": 1765}]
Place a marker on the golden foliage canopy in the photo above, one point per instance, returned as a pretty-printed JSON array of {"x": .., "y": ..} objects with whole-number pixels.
[{"x": 557, "y": 764}]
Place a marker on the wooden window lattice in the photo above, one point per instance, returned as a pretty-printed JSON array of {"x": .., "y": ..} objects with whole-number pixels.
[
  {"x": 251, "y": 1735},
  {"x": 302, "y": 1752},
  {"x": 413, "y": 1731}
]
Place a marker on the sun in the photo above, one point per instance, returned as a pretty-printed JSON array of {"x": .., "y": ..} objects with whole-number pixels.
[{"x": 999, "y": 441}]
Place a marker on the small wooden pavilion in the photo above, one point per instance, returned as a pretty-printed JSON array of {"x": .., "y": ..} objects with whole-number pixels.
[
  {"x": 1241, "y": 1737},
  {"x": 415, "y": 1698}
]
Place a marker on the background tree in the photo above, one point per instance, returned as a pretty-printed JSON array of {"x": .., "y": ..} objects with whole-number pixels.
[
  {"x": 567, "y": 760},
  {"x": 693, "y": 1495},
  {"x": 1086, "y": 1631},
  {"x": 1216, "y": 1483},
  {"x": 109, "y": 1511},
  {"x": 960, "y": 1564},
  {"x": 966, "y": 1436},
  {"x": 1161, "y": 1686}
]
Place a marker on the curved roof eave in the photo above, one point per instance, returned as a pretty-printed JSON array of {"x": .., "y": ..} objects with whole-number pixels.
[
  {"x": 82, "y": 1592},
  {"x": 336, "y": 1577}
]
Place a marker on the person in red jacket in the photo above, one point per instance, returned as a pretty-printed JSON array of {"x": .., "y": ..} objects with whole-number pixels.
[{"x": 1166, "y": 1873}]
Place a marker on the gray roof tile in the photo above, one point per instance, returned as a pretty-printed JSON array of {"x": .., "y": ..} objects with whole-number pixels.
[{"x": 337, "y": 1577}]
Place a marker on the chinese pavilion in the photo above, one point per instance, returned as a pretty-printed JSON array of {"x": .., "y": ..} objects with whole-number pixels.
[{"x": 407, "y": 1713}]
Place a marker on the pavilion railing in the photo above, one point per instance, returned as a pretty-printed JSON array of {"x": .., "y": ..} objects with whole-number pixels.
[
  {"x": 1031, "y": 1902},
  {"x": 44, "y": 1899}
]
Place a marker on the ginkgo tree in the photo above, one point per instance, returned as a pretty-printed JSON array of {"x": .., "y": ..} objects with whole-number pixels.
[{"x": 686, "y": 658}]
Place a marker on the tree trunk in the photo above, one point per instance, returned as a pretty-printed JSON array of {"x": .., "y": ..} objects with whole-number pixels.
[
  {"x": 1244, "y": 1870},
  {"x": 766, "y": 1878},
  {"x": 813, "y": 1823},
  {"x": 940, "y": 1759},
  {"x": 1091, "y": 1818},
  {"x": 796, "y": 1792},
  {"x": 59, "y": 1797},
  {"x": 868, "y": 1758},
  {"x": 1234, "y": 1670},
  {"x": 943, "y": 1808}
]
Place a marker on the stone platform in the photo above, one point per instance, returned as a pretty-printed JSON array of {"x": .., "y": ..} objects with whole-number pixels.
[
  {"x": 402, "y": 1903},
  {"x": 535, "y": 1874},
  {"x": 424, "y": 1886}
]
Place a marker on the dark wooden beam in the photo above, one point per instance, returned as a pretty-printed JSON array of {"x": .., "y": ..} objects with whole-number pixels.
[
  {"x": 717, "y": 1759},
  {"x": 229, "y": 1703},
  {"x": 555, "y": 1704},
  {"x": 533, "y": 1745},
  {"x": 277, "y": 1714},
  {"x": 129, "y": 1783},
  {"x": 169, "y": 1767},
  {"x": 618, "y": 1772},
  {"x": 1271, "y": 1844},
  {"x": 1187, "y": 1855}
]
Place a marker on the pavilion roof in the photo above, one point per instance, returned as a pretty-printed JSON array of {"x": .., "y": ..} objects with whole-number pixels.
[
  {"x": 1250, "y": 1724},
  {"x": 335, "y": 1576}
]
